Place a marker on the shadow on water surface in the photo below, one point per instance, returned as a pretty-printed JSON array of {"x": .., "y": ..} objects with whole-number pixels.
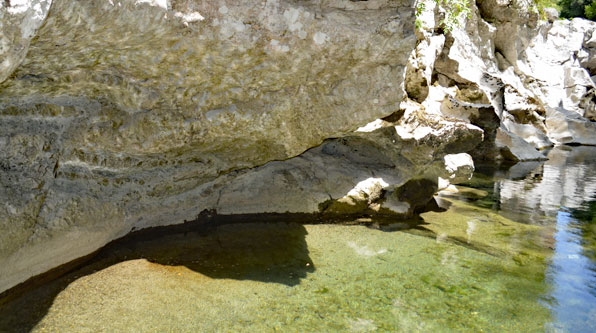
[{"x": 266, "y": 252}]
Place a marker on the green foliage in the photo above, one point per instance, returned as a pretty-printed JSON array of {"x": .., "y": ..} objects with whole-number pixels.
[
  {"x": 578, "y": 8},
  {"x": 543, "y": 4},
  {"x": 455, "y": 12},
  {"x": 590, "y": 11},
  {"x": 420, "y": 7}
]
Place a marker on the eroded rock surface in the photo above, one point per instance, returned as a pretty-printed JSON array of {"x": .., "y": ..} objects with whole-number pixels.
[
  {"x": 19, "y": 21},
  {"x": 526, "y": 82},
  {"x": 122, "y": 112}
]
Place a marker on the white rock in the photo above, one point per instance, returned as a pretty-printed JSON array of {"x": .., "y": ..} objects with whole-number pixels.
[
  {"x": 165, "y": 4},
  {"x": 569, "y": 127},
  {"x": 320, "y": 38},
  {"x": 515, "y": 148},
  {"x": 19, "y": 22},
  {"x": 460, "y": 167},
  {"x": 551, "y": 14},
  {"x": 520, "y": 66},
  {"x": 529, "y": 133}
]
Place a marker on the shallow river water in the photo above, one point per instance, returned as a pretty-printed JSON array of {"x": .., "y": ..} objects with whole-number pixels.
[{"x": 514, "y": 251}]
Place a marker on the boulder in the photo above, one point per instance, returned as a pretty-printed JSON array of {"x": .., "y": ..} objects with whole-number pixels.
[
  {"x": 587, "y": 55},
  {"x": 551, "y": 14},
  {"x": 515, "y": 148},
  {"x": 127, "y": 114},
  {"x": 458, "y": 168},
  {"x": 588, "y": 104},
  {"x": 566, "y": 127},
  {"x": 529, "y": 133}
]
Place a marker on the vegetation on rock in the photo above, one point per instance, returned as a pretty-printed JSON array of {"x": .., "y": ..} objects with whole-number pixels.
[
  {"x": 571, "y": 8},
  {"x": 590, "y": 11},
  {"x": 541, "y": 5},
  {"x": 455, "y": 12}
]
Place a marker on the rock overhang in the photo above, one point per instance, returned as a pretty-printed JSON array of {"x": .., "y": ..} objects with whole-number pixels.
[{"x": 128, "y": 114}]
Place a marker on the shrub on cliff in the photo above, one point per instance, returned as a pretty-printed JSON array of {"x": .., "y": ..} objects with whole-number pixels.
[
  {"x": 590, "y": 11},
  {"x": 578, "y": 8},
  {"x": 455, "y": 11},
  {"x": 541, "y": 5}
]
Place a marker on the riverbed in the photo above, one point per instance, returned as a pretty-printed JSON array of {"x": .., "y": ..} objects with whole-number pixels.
[{"x": 513, "y": 249}]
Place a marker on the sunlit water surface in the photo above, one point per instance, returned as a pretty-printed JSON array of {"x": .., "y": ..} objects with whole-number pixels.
[{"x": 515, "y": 250}]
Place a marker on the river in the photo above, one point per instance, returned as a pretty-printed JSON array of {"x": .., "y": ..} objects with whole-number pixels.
[{"x": 512, "y": 250}]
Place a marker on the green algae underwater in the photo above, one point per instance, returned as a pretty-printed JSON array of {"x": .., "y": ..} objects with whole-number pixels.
[{"x": 499, "y": 258}]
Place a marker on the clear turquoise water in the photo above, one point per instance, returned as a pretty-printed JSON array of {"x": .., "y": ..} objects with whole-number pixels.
[
  {"x": 573, "y": 276},
  {"x": 514, "y": 251},
  {"x": 560, "y": 193}
]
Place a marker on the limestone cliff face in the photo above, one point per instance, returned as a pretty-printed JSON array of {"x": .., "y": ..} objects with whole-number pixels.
[{"x": 526, "y": 82}]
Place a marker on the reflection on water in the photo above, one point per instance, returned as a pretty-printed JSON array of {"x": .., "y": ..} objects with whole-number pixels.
[
  {"x": 514, "y": 252},
  {"x": 557, "y": 194},
  {"x": 573, "y": 276},
  {"x": 533, "y": 192}
]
